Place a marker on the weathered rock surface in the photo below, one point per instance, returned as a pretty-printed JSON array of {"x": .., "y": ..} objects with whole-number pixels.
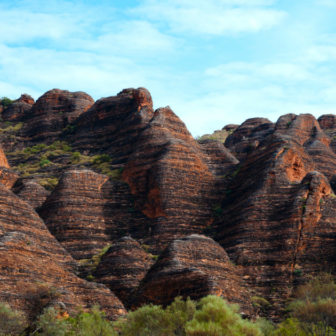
[
  {"x": 122, "y": 268},
  {"x": 169, "y": 176},
  {"x": 269, "y": 216},
  {"x": 52, "y": 113},
  {"x": 19, "y": 108},
  {"x": 113, "y": 125},
  {"x": 88, "y": 211},
  {"x": 193, "y": 266},
  {"x": 32, "y": 193},
  {"x": 30, "y": 255},
  {"x": 248, "y": 136}
]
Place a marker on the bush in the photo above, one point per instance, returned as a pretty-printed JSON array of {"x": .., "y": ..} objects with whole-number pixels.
[
  {"x": 66, "y": 148},
  {"x": 76, "y": 157},
  {"x": 93, "y": 323},
  {"x": 49, "y": 324},
  {"x": 102, "y": 159},
  {"x": 44, "y": 162},
  {"x": 214, "y": 317},
  {"x": 5, "y": 102},
  {"x": 314, "y": 309},
  {"x": 12, "y": 322}
]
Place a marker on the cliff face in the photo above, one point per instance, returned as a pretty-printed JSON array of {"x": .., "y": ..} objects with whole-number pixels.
[
  {"x": 31, "y": 256},
  {"x": 264, "y": 198},
  {"x": 87, "y": 211},
  {"x": 171, "y": 179}
]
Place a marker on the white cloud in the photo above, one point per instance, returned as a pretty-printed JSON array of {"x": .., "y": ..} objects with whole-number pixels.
[{"x": 212, "y": 16}]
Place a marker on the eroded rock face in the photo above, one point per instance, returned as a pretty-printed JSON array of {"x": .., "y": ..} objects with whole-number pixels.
[
  {"x": 3, "y": 159},
  {"x": 32, "y": 193},
  {"x": 114, "y": 124},
  {"x": 193, "y": 266},
  {"x": 88, "y": 211},
  {"x": 19, "y": 108},
  {"x": 273, "y": 205},
  {"x": 30, "y": 254},
  {"x": 122, "y": 268},
  {"x": 169, "y": 176},
  {"x": 248, "y": 136},
  {"x": 52, "y": 113}
]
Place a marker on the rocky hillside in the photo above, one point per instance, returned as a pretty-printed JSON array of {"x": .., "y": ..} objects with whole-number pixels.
[{"x": 115, "y": 203}]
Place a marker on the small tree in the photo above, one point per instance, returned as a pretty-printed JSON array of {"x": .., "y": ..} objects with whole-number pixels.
[
  {"x": 50, "y": 324},
  {"x": 215, "y": 317},
  {"x": 92, "y": 324},
  {"x": 12, "y": 322}
]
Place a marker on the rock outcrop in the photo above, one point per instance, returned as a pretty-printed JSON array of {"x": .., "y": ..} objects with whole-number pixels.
[
  {"x": 122, "y": 268},
  {"x": 18, "y": 110},
  {"x": 193, "y": 266},
  {"x": 170, "y": 179},
  {"x": 32, "y": 193},
  {"x": 114, "y": 124},
  {"x": 31, "y": 257},
  {"x": 88, "y": 211},
  {"x": 52, "y": 115},
  {"x": 248, "y": 136}
]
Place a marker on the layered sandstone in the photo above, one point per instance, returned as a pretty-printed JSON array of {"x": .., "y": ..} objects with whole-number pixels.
[
  {"x": 52, "y": 113},
  {"x": 88, "y": 211},
  {"x": 193, "y": 266},
  {"x": 32, "y": 257},
  {"x": 171, "y": 179},
  {"x": 113, "y": 125},
  {"x": 32, "y": 193},
  {"x": 247, "y": 136},
  {"x": 122, "y": 268},
  {"x": 270, "y": 216}
]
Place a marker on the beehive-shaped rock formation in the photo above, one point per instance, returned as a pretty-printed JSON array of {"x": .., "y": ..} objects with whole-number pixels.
[
  {"x": 88, "y": 211},
  {"x": 122, "y": 268},
  {"x": 19, "y": 109},
  {"x": 114, "y": 124},
  {"x": 52, "y": 113},
  {"x": 30, "y": 255},
  {"x": 170, "y": 177},
  {"x": 194, "y": 266}
]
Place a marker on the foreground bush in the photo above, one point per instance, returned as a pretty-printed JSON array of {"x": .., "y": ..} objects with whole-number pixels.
[
  {"x": 214, "y": 317},
  {"x": 12, "y": 322}
]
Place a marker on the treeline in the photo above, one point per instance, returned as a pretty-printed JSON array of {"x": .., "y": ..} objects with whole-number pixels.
[{"x": 312, "y": 312}]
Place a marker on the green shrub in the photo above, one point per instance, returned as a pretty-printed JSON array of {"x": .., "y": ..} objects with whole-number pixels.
[
  {"x": 76, "y": 157},
  {"x": 49, "y": 324},
  {"x": 49, "y": 183},
  {"x": 44, "y": 162},
  {"x": 214, "y": 317},
  {"x": 93, "y": 323},
  {"x": 5, "y": 102},
  {"x": 52, "y": 147},
  {"x": 90, "y": 278},
  {"x": 66, "y": 148},
  {"x": 12, "y": 322},
  {"x": 260, "y": 302},
  {"x": 102, "y": 159}
]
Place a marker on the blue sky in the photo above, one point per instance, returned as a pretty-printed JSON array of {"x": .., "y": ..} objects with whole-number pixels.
[{"x": 214, "y": 62}]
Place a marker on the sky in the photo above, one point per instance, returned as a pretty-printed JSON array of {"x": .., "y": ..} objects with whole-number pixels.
[{"x": 214, "y": 62}]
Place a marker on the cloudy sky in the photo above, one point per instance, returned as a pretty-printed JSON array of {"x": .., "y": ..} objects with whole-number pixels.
[{"x": 214, "y": 62}]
